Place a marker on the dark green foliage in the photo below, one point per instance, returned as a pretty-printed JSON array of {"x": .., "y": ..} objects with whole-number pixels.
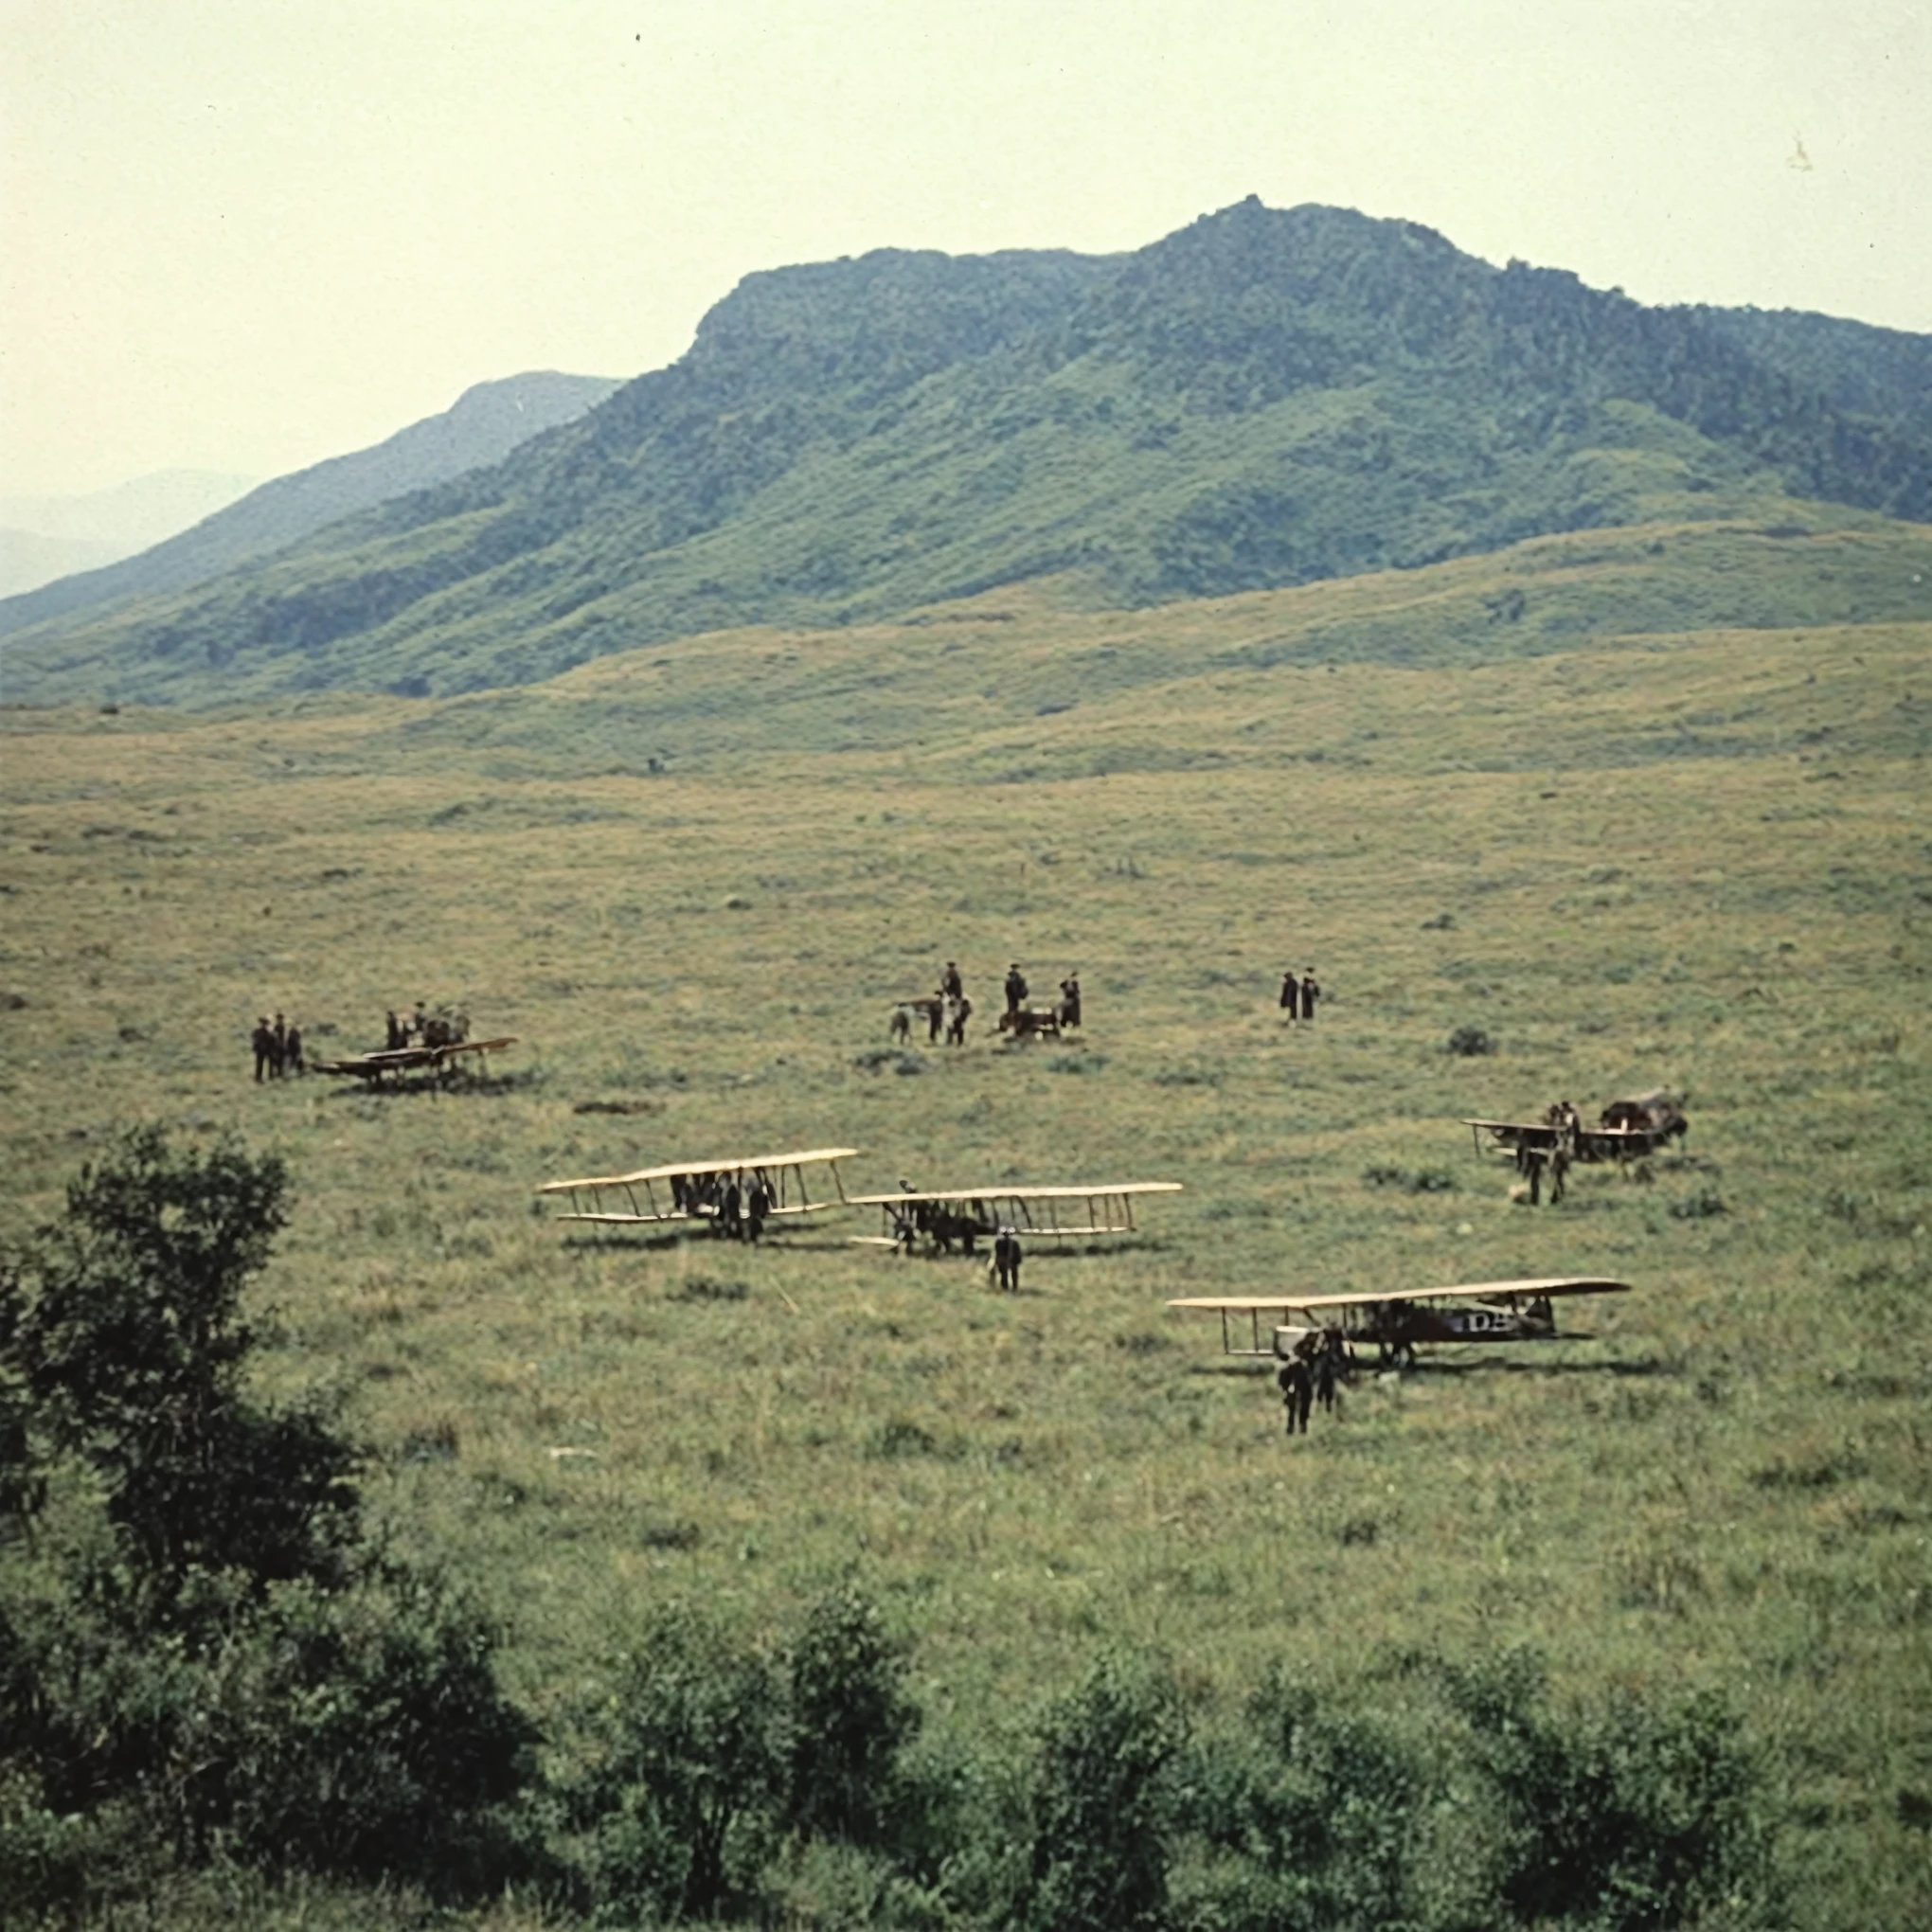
[
  {"x": 132, "y": 1341},
  {"x": 1876, "y": 374},
  {"x": 1471, "y": 1042},
  {"x": 689, "y": 1768},
  {"x": 1412, "y": 1181},
  {"x": 22, "y": 1480},
  {"x": 1701, "y": 1205},
  {"x": 1319, "y": 1817},
  {"x": 1265, "y": 398},
  {"x": 849, "y": 1719},
  {"x": 1623, "y": 1816},
  {"x": 1103, "y": 1803},
  {"x": 210, "y": 1658},
  {"x": 354, "y": 1730}
]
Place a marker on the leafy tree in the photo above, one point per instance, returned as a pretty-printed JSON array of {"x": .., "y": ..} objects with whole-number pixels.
[
  {"x": 22, "y": 1480},
  {"x": 128, "y": 1337},
  {"x": 688, "y": 1772},
  {"x": 1323, "y": 1809},
  {"x": 850, "y": 1718},
  {"x": 1623, "y": 1816},
  {"x": 241, "y": 1671},
  {"x": 1104, "y": 1804}
]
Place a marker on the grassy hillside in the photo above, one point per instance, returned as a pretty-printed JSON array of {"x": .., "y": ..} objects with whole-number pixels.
[
  {"x": 1262, "y": 399},
  {"x": 1508, "y": 793}
]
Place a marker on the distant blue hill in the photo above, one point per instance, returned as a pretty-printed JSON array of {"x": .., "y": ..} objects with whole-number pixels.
[{"x": 485, "y": 424}]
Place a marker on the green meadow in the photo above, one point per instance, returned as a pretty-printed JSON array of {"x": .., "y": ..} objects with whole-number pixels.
[{"x": 1519, "y": 793}]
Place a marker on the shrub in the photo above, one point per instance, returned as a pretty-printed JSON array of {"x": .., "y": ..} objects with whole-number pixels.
[
  {"x": 850, "y": 1718},
  {"x": 1103, "y": 1803},
  {"x": 127, "y": 1335},
  {"x": 1318, "y": 1813},
  {"x": 899, "y": 1437},
  {"x": 222, "y": 1658},
  {"x": 1470, "y": 1042},
  {"x": 1622, "y": 1815},
  {"x": 1703, "y": 1205},
  {"x": 686, "y": 1775}
]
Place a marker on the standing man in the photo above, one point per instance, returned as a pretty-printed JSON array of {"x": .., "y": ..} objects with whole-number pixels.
[
  {"x": 278, "y": 1047},
  {"x": 951, "y": 985},
  {"x": 1016, "y": 987},
  {"x": 1310, "y": 994},
  {"x": 1297, "y": 1392},
  {"x": 1535, "y": 1160},
  {"x": 1069, "y": 1000},
  {"x": 264, "y": 1046},
  {"x": 1291, "y": 993},
  {"x": 960, "y": 1013},
  {"x": 1006, "y": 1261},
  {"x": 1328, "y": 1368}
]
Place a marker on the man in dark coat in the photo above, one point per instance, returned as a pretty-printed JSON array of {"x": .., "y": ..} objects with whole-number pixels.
[
  {"x": 1310, "y": 994},
  {"x": 1006, "y": 1261},
  {"x": 1016, "y": 987},
  {"x": 1296, "y": 1383}
]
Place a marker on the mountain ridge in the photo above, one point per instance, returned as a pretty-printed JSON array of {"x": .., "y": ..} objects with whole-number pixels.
[{"x": 1260, "y": 398}]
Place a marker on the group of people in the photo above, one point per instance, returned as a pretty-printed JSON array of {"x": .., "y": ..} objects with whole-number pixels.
[
  {"x": 1313, "y": 1372},
  {"x": 1300, "y": 995},
  {"x": 277, "y": 1049},
  {"x": 736, "y": 1212},
  {"x": 424, "y": 1030},
  {"x": 1066, "y": 1010},
  {"x": 945, "y": 1221},
  {"x": 947, "y": 1010}
]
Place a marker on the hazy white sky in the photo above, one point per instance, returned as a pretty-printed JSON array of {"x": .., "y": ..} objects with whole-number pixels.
[{"x": 247, "y": 235}]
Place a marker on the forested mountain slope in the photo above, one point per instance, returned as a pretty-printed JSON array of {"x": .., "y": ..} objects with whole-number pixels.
[{"x": 1263, "y": 399}]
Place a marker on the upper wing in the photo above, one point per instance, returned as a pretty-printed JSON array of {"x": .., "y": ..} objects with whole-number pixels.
[
  {"x": 1011, "y": 1193},
  {"x": 1470, "y": 1291},
  {"x": 736, "y": 1165}
]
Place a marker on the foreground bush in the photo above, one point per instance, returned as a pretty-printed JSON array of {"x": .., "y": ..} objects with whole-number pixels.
[
  {"x": 207, "y": 1657},
  {"x": 1622, "y": 1815}
]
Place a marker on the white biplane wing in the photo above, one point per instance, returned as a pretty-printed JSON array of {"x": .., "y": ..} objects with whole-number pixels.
[
  {"x": 675, "y": 1191},
  {"x": 1507, "y": 1300},
  {"x": 1053, "y": 1214}
]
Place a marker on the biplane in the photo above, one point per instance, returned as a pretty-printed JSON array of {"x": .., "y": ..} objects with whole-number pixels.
[
  {"x": 714, "y": 1192},
  {"x": 1397, "y": 1322},
  {"x": 1625, "y": 1130},
  {"x": 396, "y": 1061},
  {"x": 966, "y": 1215}
]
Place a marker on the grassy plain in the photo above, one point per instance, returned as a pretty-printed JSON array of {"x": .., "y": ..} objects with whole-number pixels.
[{"x": 1633, "y": 857}]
